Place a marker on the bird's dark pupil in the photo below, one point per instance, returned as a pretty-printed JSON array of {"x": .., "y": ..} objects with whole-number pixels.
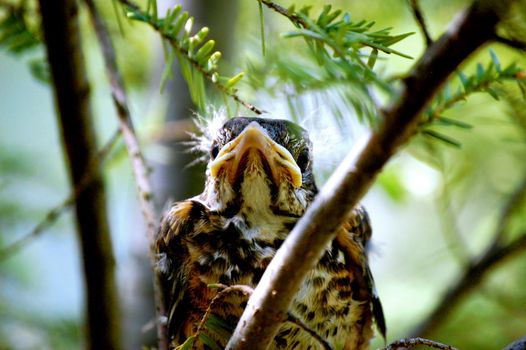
[
  {"x": 214, "y": 151},
  {"x": 303, "y": 160}
]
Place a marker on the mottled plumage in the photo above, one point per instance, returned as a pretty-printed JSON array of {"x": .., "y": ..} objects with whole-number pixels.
[{"x": 259, "y": 182}]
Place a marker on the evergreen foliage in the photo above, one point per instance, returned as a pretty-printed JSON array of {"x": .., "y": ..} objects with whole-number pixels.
[{"x": 19, "y": 36}]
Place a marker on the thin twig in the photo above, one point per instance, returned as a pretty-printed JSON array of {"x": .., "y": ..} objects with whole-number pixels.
[
  {"x": 419, "y": 17},
  {"x": 139, "y": 166},
  {"x": 65, "y": 205},
  {"x": 516, "y": 44},
  {"x": 294, "y": 18},
  {"x": 305, "y": 244},
  {"x": 224, "y": 290},
  {"x": 469, "y": 279},
  {"x": 412, "y": 342}
]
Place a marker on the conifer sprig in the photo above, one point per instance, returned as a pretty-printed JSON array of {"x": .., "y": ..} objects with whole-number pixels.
[
  {"x": 196, "y": 56},
  {"x": 19, "y": 36},
  {"x": 485, "y": 79}
]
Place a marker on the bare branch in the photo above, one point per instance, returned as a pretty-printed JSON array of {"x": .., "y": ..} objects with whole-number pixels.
[
  {"x": 467, "y": 282},
  {"x": 412, "y": 342},
  {"x": 495, "y": 254},
  {"x": 516, "y": 44},
  {"x": 139, "y": 166},
  {"x": 57, "y": 211},
  {"x": 268, "y": 306},
  {"x": 419, "y": 17}
]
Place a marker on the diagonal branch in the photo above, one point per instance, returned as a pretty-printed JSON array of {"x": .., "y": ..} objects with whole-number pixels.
[
  {"x": 467, "y": 282},
  {"x": 57, "y": 211},
  {"x": 268, "y": 306},
  {"x": 496, "y": 253},
  {"x": 294, "y": 18},
  {"x": 140, "y": 169}
]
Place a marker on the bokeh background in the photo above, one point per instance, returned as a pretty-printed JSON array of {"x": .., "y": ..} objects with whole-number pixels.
[{"x": 434, "y": 209}]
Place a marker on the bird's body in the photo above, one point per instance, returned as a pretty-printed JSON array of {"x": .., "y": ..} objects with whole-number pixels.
[{"x": 259, "y": 184}]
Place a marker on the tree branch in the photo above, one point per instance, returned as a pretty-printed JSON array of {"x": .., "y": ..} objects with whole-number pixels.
[
  {"x": 52, "y": 215},
  {"x": 412, "y": 342},
  {"x": 419, "y": 17},
  {"x": 516, "y": 44},
  {"x": 476, "y": 270},
  {"x": 72, "y": 91},
  {"x": 294, "y": 18},
  {"x": 300, "y": 252},
  {"x": 139, "y": 166},
  {"x": 468, "y": 281}
]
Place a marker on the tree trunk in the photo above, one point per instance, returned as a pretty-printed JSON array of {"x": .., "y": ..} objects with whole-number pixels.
[{"x": 71, "y": 90}]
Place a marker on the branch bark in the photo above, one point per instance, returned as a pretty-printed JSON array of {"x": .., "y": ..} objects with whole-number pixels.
[
  {"x": 414, "y": 342},
  {"x": 71, "y": 90},
  {"x": 267, "y": 308},
  {"x": 140, "y": 169}
]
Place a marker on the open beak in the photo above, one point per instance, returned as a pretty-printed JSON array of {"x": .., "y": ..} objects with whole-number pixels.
[{"x": 254, "y": 141}]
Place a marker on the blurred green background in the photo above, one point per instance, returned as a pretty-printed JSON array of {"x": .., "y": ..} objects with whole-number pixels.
[{"x": 434, "y": 209}]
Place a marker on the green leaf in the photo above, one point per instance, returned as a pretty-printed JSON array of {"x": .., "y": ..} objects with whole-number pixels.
[
  {"x": 40, "y": 70},
  {"x": 187, "y": 345},
  {"x": 493, "y": 93},
  {"x": 234, "y": 80},
  {"x": 390, "y": 181},
  {"x": 202, "y": 55},
  {"x": 168, "y": 65},
  {"x": 219, "y": 327},
  {"x": 137, "y": 16},
  {"x": 463, "y": 79},
  {"x": 454, "y": 122},
  {"x": 208, "y": 341},
  {"x": 480, "y": 72},
  {"x": 446, "y": 139},
  {"x": 495, "y": 60},
  {"x": 372, "y": 58},
  {"x": 188, "y": 27},
  {"x": 179, "y": 23}
]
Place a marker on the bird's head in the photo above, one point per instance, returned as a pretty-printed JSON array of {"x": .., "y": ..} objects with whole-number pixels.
[{"x": 262, "y": 165}]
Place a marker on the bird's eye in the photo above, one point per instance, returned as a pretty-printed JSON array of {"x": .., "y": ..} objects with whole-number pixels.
[
  {"x": 214, "y": 151},
  {"x": 303, "y": 160}
]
